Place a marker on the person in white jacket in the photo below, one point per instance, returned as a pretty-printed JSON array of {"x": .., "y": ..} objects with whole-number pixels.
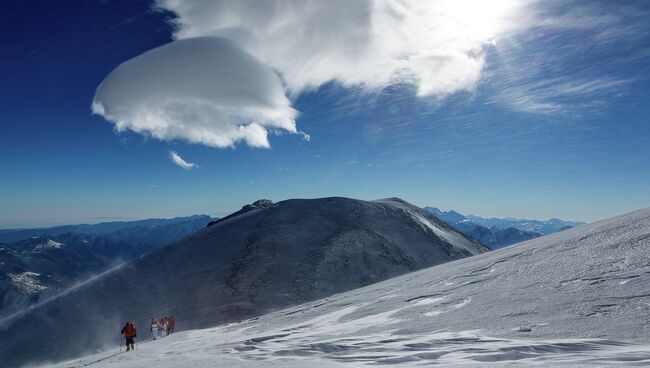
[
  {"x": 163, "y": 327},
  {"x": 155, "y": 328}
]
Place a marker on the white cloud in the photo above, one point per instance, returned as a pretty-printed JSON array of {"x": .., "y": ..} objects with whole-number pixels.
[
  {"x": 202, "y": 90},
  {"x": 226, "y": 77},
  {"x": 434, "y": 45},
  {"x": 178, "y": 160}
]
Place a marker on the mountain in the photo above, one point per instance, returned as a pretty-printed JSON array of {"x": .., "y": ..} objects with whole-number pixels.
[
  {"x": 39, "y": 267},
  {"x": 494, "y": 238},
  {"x": 496, "y": 233},
  {"x": 575, "y": 298},
  {"x": 35, "y": 269},
  {"x": 450, "y": 217},
  {"x": 151, "y": 231},
  {"x": 543, "y": 227},
  {"x": 264, "y": 258}
]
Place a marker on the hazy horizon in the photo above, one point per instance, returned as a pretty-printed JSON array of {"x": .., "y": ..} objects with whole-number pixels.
[{"x": 101, "y": 219}]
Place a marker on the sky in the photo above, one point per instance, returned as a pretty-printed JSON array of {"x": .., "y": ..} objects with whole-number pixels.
[{"x": 133, "y": 109}]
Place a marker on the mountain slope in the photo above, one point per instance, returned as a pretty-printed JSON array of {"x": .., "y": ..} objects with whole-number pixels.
[
  {"x": 259, "y": 260},
  {"x": 39, "y": 267},
  {"x": 578, "y": 297}
]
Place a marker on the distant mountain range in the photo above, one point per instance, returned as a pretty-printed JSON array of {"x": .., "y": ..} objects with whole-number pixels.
[
  {"x": 49, "y": 260},
  {"x": 500, "y": 232},
  {"x": 153, "y": 230},
  {"x": 263, "y": 257}
]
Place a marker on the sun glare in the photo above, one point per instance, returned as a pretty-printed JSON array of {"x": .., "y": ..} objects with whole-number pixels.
[{"x": 481, "y": 21}]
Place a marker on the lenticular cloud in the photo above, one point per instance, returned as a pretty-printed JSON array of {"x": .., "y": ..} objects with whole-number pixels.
[{"x": 204, "y": 90}]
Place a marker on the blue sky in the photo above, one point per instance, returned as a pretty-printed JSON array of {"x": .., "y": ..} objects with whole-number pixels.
[{"x": 555, "y": 125}]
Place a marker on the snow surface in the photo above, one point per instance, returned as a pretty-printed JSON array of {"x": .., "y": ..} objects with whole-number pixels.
[{"x": 579, "y": 297}]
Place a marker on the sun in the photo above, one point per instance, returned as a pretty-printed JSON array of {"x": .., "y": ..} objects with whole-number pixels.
[{"x": 480, "y": 21}]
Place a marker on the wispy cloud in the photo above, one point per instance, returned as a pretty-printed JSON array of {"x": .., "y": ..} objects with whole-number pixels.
[
  {"x": 560, "y": 95},
  {"x": 573, "y": 59},
  {"x": 178, "y": 160}
]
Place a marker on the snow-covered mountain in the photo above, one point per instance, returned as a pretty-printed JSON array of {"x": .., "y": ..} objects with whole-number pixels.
[
  {"x": 49, "y": 261},
  {"x": 544, "y": 227},
  {"x": 263, "y": 258},
  {"x": 38, "y": 268},
  {"x": 500, "y": 232},
  {"x": 575, "y": 298}
]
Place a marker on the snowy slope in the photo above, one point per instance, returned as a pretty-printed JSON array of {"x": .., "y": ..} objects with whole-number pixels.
[
  {"x": 262, "y": 259},
  {"x": 579, "y": 297}
]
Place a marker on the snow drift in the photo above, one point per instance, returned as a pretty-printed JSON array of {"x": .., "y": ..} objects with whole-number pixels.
[{"x": 264, "y": 257}]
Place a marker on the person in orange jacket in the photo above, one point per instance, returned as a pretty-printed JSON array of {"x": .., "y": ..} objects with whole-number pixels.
[
  {"x": 129, "y": 331},
  {"x": 172, "y": 321}
]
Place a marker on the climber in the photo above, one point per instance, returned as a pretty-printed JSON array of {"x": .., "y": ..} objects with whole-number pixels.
[{"x": 129, "y": 332}]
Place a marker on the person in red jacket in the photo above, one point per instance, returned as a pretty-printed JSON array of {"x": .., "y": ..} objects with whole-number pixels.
[{"x": 129, "y": 331}]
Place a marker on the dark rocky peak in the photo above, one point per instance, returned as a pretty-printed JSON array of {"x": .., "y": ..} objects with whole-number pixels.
[
  {"x": 260, "y": 203},
  {"x": 263, "y": 203}
]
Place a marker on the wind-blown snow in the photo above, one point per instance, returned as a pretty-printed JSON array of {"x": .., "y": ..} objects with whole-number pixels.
[{"x": 579, "y": 297}]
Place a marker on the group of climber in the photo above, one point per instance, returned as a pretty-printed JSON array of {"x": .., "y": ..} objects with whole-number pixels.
[
  {"x": 163, "y": 327},
  {"x": 159, "y": 329}
]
